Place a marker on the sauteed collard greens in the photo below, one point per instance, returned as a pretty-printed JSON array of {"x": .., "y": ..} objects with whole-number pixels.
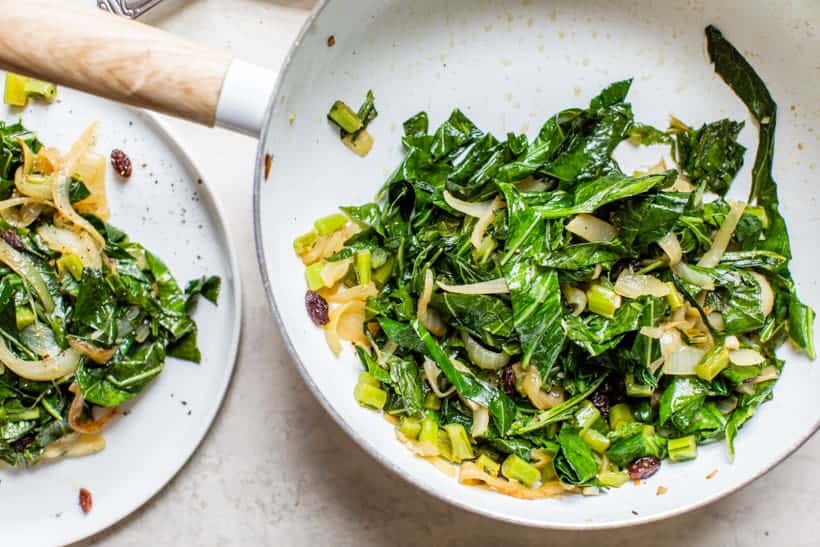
[
  {"x": 87, "y": 317},
  {"x": 532, "y": 313}
]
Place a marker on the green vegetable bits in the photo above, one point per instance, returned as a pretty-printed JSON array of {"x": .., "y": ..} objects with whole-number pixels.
[{"x": 644, "y": 329}]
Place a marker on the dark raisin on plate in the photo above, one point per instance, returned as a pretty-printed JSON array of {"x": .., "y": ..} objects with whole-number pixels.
[
  {"x": 86, "y": 502},
  {"x": 316, "y": 307},
  {"x": 611, "y": 392},
  {"x": 14, "y": 241},
  {"x": 121, "y": 162},
  {"x": 643, "y": 468},
  {"x": 508, "y": 380}
]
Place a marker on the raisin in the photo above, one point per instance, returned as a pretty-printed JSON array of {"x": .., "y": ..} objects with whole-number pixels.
[
  {"x": 316, "y": 308},
  {"x": 85, "y": 500},
  {"x": 331, "y": 41},
  {"x": 609, "y": 393},
  {"x": 21, "y": 444},
  {"x": 11, "y": 237},
  {"x": 643, "y": 468},
  {"x": 268, "y": 163},
  {"x": 508, "y": 380},
  {"x": 121, "y": 163}
]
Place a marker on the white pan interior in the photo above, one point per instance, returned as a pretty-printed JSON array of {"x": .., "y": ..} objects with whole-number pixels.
[{"x": 508, "y": 65}]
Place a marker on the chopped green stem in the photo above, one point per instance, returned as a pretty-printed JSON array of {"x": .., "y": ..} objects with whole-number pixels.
[{"x": 515, "y": 468}]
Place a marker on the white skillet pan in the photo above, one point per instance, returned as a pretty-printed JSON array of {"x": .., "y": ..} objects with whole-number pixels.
[{"x": 508, "y": 65}]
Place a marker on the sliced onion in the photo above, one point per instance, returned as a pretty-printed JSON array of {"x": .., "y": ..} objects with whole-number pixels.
[
  {"x": 731, "y": 342},
  {"x": 359, "y": 292},
  {"x": 482, "y": 357},
  {"x": 95, "y": 353},
  {"x": 683, "y": 361},
  {"x": 481, "y": 422},
  {"x": 429, "y": 317},
  {"x": 746, "y": 357},
  {"x": 470, "y": 473},
  {"x": 768, "y": 373},
  {"x": 433, "y": 322},
  {"x": 727, "y": 405},
  {"x": 591, "y": 228},
  {"x": 766, "y": 294},
  {"x": 329, "y": 244},
  {"x": 25, "y": 268},
  {"x": 425, "y": 449},
  {"x": 40, "y": 339},
  {"x": 471, "y": 209},
  {"x": 694, "y": 277},
  {"x": 63, "y": 204},
  {"x": 484, "y": 222},
  {"x": 632, "y": 285},
  {"x": 670, "y": 343},
  {"x": 38, "y": 190},
  {"x": 531, "y": 386},
  {"x": 575, "y": 298},
  {"x": 45, "y": 370},
  {"x": 494, "y": 286},
  {"x": 68, "y": 241},
  {"x": 332, "y": 327},
  {"x": 350, "y": 326},
  {"x": 529, "y": 184},
  {"x": 75, "y": 414},
  {"x": 17, "y": 202},
  {"x": 716, "y": 320},
  {"x": 386, "y": 352},
  {"x": 432, "y": 372},
  {"x": 671, "y": 246},
  {"x": 91, "y": 169},
  {"x": 332, "y": 272},
  {"x": 656, "y": 333},
  {"x": 596, "y": 272},
  {"x": 723, "y": 236},
  {"x": 75, "y": 445},
  {"x": 746, "y": 388}
]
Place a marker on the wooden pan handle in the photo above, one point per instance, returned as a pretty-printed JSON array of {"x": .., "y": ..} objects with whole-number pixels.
[{"x": 99, "y": 53}]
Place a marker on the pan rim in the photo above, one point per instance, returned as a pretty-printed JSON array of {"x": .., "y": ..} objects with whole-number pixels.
[{"x": 360, "y": 440}]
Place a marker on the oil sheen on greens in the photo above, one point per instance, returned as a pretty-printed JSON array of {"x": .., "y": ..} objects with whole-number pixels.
[
  {"x": 131, "y": 307},
  {"x": 571, "y": 369}
]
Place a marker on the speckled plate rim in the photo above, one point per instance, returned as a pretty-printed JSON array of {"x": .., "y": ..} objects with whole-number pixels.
[
  {"x": 359, "y": 439},
  {"x": 181, "y": 153}
]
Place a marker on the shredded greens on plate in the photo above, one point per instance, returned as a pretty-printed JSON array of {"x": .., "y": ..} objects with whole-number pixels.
[
  {"x": 550, "y": 323},
  {"x": 87, "y": 317}
]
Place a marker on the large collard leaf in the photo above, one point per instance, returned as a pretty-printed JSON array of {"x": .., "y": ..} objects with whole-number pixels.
[
  {"x": 597, "y": 334},
  {"x": 583, "y": 255},
  {"x": 646, "y": 219},
  {"x": 742, "y": 78},
  {"x": 575, "y": 463},
  {"x": 743, "y": 311},
  {"x": 542, "y": 149},
  {"x": 406, "y": 379},
  {"x": 534, "y": 290},
  {"x": 632, "y": 441},
  {"x": 95, "y": 310},
  {"x": 683, "y": 394},
  {"x": 591, "y": 195},
  {"x": 501, "y": 407},
  {"x": 122, "y": 378},
  {"x": 591, "y": 138},
  {"x": 483, "y": 315},
  {"x": 711, "y": 155}
]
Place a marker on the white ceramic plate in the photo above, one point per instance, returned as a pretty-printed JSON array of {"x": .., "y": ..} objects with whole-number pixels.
[
  {"x": 166, "y": 206},
  {"x": 508, "y": 65}
]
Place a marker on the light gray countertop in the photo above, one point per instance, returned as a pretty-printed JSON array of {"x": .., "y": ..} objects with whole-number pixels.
[{"x": 281, "y": 472}]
